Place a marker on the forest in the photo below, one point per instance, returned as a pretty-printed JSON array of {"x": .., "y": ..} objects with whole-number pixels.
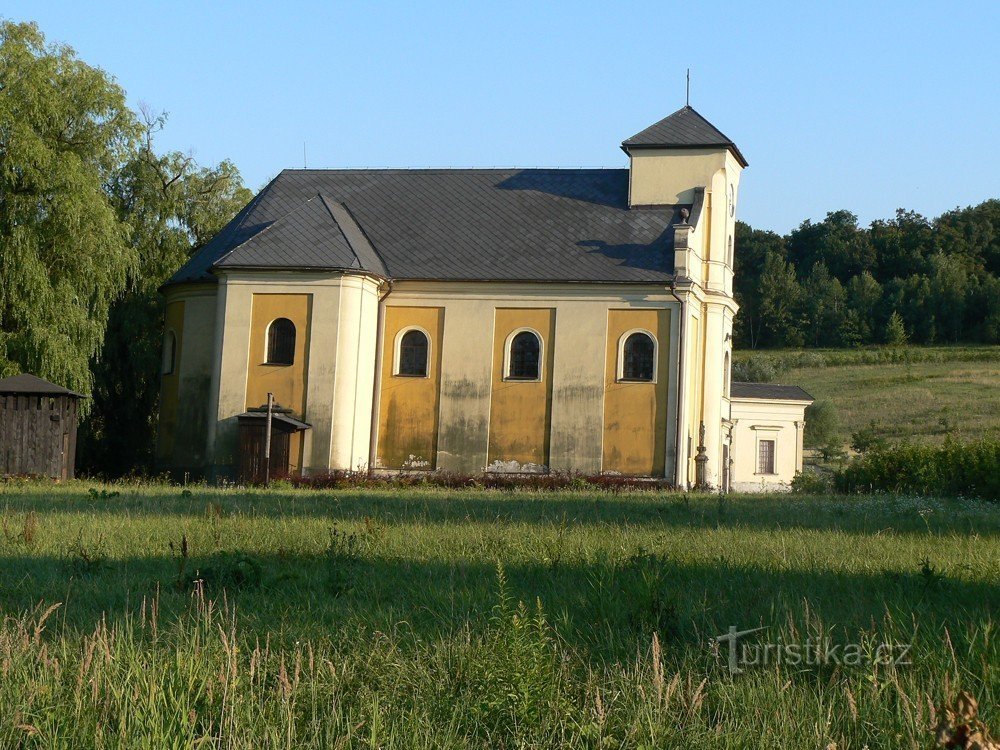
[
  {"x": 834, "y": 283},
  {"x": 94, "y": 218}
]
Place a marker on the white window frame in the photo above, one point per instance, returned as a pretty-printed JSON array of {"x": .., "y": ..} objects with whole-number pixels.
[
  {"x": 620, "y": 369},
  {"x": 765, "y": 432},
  {"x": 397, "y": 346},
  {"x": 169, "y": 338},
  {"x": 507, "y": 358}
]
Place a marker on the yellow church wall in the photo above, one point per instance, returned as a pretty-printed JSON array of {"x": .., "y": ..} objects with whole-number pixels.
[
  {"x": 521, "y": 411},
  {"x": 170, "y": 382},
  {"x": 695, "y": 385},
  {"x": 635, "y": 414},
  {"x": 660, "y": 177},
  {"x": 286, "y": 382},
  {"x": 408, "y": 406}
]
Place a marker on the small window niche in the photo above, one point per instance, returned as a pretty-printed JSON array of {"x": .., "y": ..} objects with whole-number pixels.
[
  {"x": 637, "y": 358},
  {"x": 412, "y": 354},
  {"x": 524, "y": 356},
  {"x": 281, "y": 342}
]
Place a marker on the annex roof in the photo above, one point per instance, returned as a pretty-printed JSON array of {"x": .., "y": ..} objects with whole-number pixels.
[
  {"x": 34, "y": 385},
  {"x": 685, "y": 128},
  {"x": 768, "y": 392},
  {"x": 554, "y": 225}
]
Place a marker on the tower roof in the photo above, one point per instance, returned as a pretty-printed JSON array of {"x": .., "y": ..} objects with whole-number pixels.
[{"x": 685, "y": 128}]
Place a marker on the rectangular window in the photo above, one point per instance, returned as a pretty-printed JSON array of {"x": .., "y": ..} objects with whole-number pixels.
[{"x": 765, "y": 457}]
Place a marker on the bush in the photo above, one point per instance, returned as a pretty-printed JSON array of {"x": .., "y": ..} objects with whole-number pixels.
[
  {"x": 956, "y": 469},
  {"x": 869, "y": 438},
  {"x": 812, "y": 483},
  {"x": 821, "y": 425},
  {"x": 452, "y": 480},
  {"x": 755, "y": 369}
]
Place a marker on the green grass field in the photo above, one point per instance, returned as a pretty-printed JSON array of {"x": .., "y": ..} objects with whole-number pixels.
[
  {"x": 433, "y": 618},
  {"x": 931, "y": 392}
]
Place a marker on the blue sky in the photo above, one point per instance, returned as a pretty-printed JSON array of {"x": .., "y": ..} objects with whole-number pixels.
[{"x": 866, "y": 106}]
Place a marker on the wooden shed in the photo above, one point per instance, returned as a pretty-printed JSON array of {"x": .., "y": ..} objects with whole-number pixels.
[{"x": 38, "y": 422}]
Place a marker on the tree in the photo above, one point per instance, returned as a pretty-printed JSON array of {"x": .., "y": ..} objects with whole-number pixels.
[
  {"x": 780, "y": 297},
  {"x": 65, "y": 130},
  {"x": 864, "y": 296},
  {"x": 973, "y": 233},
  {"x": 949, "y": 284},
  {"x": 837, "y": 242},
  {"x": 172, "y": 206},
  {"x": 822, "y": 425},
  {"x": 751, "y": 249},
  {"x": 902, "y": 245},
  {"x": 824, "y": 306},
  {"x": 895, "y": 331}
]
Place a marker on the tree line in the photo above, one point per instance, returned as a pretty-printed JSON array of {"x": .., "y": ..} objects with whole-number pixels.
[
  {"x": 93, "y": 219},
  {"x": 834, "y": 283}
]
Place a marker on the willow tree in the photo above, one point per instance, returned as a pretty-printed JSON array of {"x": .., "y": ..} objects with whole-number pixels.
[
  {"x": 65, "y": 131},
  {"x": 172, "y": 206}
]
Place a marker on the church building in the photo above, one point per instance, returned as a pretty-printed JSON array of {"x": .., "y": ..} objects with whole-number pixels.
[{"x": 471, "y": 320}]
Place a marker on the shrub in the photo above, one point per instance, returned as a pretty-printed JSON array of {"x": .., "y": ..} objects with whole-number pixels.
[
  {"x": 869, "y": 438},
  {"x": 812, "y": 483},
  {"x": 755, "y": 369},
  {"x": 821, "y": 425},
  {"x": 452, "y": 480},
  {"x": 957, "y": 469}
]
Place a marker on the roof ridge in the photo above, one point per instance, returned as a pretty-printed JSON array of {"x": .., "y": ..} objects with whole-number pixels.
[
  {"x": 349, "y": 215},
  {"x": 446, "y": 170}
]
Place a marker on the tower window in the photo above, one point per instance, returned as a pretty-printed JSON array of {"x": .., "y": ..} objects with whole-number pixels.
[
  {"x": 281, "y": 342},
  {"x": 524, "y": 356},
  {"x": 638, "y": 357},
  {"x": 412, "y": 360}
]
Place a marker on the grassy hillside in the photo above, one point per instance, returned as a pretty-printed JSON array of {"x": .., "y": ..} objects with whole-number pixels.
[
  {"x": 395, "y": 618},
  {"x": 919, "y": 393}
]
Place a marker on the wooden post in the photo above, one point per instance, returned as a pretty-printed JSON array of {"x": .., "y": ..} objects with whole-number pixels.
[{"x": 267, "y": 441}]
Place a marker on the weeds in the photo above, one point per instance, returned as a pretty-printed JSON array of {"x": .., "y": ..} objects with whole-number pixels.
[
  {"x": 27, "y": 533},
  {"x": 83, "y": 559},
  {"x": 342, "y": 557}
]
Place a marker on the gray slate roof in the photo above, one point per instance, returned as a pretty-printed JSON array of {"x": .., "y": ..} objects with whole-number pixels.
[
  {"x": 34, "y": 385},
  {"x": 318, "y": 234},
  {"x": 768, "y": 391},
  {"x": 448, "y": 224},
  {"x": 685, "y": 128}
]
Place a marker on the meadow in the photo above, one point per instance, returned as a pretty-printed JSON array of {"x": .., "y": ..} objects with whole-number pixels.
[
  {"x": 159, "y": 616},
  {"x": 923, "y": 394}
]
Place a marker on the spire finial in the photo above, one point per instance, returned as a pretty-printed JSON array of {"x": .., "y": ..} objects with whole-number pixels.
[{"x": 687, "y": 97}]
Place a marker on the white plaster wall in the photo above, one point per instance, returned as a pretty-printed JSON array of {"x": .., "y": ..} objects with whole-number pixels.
[{"x": 781, "y": 420}]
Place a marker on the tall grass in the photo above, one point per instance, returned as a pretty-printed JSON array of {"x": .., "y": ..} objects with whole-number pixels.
[{"x": 430, "y": 618}]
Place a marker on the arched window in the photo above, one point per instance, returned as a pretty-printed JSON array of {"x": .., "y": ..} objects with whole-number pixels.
[
  {"x": 281, "y": 342},
  {"x": 639, "y": 357},
  {"x": 524, "y": 356},
  {"x": 169, "y": 353},
  {"x": 412, "y": 360}
]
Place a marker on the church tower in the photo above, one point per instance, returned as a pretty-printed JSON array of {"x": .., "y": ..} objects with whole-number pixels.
[{"x": 684, "y": 160}]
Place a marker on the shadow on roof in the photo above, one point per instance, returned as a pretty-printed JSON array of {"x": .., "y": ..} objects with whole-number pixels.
[
  {"x": 605, "y": 187},
  {"x": 654, "y": 256}
]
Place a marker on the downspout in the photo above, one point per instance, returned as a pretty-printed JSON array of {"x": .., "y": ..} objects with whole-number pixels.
[
  {"x": 679, "y": 468},
  {"x": 376, "y": 380}
]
